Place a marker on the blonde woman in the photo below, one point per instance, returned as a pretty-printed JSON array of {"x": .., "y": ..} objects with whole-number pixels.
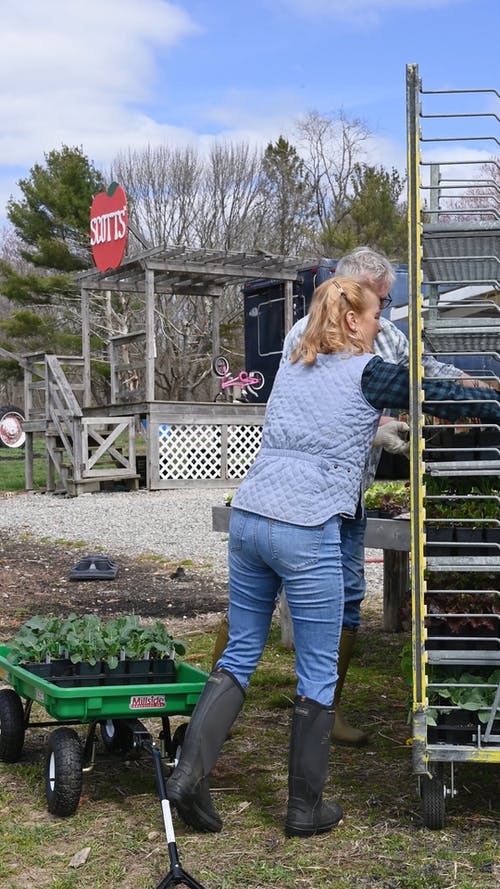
[{"x": 320, "y": 423}]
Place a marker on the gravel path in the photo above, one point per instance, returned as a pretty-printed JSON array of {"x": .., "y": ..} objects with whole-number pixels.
[{"x": 176, "y": 525}]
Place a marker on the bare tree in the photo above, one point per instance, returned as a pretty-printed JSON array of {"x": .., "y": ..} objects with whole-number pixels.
[
  {"x": 330, "y": 147},
  {"x": 162, "y": 186},
  {"x": 231, "y": 199},
  {"x": 471, "y": 198},
  {"x": 179, "y": 197}
]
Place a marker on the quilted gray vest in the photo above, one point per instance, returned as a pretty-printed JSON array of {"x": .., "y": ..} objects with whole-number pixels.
[{"x": 317, "y": 436}]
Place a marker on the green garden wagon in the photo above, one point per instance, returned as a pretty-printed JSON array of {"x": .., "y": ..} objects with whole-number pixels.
[{"x": 117, "y": 710}]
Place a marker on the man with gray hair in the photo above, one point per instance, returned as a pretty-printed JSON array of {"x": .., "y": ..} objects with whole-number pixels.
[{"x": 392, "y": 346}]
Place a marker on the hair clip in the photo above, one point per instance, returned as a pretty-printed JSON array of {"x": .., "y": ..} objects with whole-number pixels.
[{"x": 339, "y": 288}]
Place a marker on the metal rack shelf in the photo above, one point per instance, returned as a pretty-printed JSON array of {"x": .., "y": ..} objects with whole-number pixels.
[
  {"x": 454, "y": 308},
  {"x": 481, "y": 467},
  {"x": 465, "y": 335},
  {"x": 464, "y": 563},
  {"x": 461, "y": 657},
  {"x": 464, "y": 252}
]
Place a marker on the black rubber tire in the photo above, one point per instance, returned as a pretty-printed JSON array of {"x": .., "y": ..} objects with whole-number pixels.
[
  {"x": 257, "y": 375},
  {"x": 63, "y": 772},
  {"x": 11, "y": 725},
  {"x": 178, "y": 740},
  {"x": 115, "y": 737},
  {"x": 18, "y": 416},
  {"x": 220, "y": 366},
  {"x": 432, "y": 794}
]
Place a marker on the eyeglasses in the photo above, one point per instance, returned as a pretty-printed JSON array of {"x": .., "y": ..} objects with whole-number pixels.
[{"x": 385, "y": 301}]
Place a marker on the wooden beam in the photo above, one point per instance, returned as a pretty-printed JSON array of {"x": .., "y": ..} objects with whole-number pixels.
[
  {"x": 150, "y": 334},
  {"x": 288, "y": 306},
  {"x": 87, "y": 381},
  {"x": 215, "y": 342},
  {"x": 12, "y": 356},
  {"x": 224, "y": 271}
]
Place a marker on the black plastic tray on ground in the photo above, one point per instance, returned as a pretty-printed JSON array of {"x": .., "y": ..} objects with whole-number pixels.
[{"x": 94, "y": 567}]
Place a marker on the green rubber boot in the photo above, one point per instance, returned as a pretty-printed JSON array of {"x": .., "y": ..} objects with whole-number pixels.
[
  {"x": 221, "y": 640},
  {"x": 343, "y": 733}
]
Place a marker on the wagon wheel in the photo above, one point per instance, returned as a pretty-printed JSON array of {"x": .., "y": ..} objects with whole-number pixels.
[
  {"x": 11, "y": 725},
  {"x": 178, "y": 740},
  {"x": 12, "y": 434},
  {"x": 220, "y": 366},
  {"x": 432, "y": 794},
  {"x": 116, "y": 737},
  {"x": 63, "y": 772}
]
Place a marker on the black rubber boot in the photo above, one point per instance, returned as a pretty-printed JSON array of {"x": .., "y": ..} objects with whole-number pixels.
[
  {"x": 217, "y": 708},
  {"x": 307, "y": 814}
]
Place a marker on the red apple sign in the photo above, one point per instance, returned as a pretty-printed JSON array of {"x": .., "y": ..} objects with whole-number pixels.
[{"x": 109, "y": 227}]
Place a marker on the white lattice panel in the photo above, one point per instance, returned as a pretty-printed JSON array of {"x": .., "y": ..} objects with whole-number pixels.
[
  {"x": 243, "y": 443},
  {"x": 189, "y": 452}
]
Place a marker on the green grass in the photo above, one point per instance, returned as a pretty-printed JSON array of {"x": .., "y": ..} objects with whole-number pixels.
[
  {"x": 381, "y": 843},
  {"x": 12, "y": 463}
]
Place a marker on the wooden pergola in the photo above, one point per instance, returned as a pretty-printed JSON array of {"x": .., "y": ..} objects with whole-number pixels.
[
  {"x": 181, "y": 271},
  {"x": 90, "y": 445}
]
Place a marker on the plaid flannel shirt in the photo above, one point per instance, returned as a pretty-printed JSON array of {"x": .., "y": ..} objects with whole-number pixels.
[
  {"x": 386, "y": 384},
  {"x": 392, "y": 346}
]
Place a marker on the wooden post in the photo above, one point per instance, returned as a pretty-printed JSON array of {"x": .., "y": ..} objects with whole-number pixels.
[
  {"x": 215, "y": 342},
  {"x": 286, "y": 623},
  {"x": 150, "y": 334},
  {"x": 28, "y": 447},
  {"x": 288, "y": 306},
  {"x": 87, "y": 386},
  {"x": 28, "y": 461},
  {"x": 396, "y": 586}
]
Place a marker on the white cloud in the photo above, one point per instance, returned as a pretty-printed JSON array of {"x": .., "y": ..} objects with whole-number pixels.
[
  {"x": 88, "y": 73},
  {"x": 75, "y": 73}
]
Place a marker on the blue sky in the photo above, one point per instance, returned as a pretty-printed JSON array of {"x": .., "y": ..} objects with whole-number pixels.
[{"x": 107, "y": 75}]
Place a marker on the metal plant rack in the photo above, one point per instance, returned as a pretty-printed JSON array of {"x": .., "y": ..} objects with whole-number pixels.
[{"x": 454, "y": 309}]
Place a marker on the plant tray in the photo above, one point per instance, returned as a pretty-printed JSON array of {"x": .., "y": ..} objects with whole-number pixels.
[
  {"x": 128, "y": 672},
  {"x": 86, "y": 703},
  {"x": 96, "y": 567}
]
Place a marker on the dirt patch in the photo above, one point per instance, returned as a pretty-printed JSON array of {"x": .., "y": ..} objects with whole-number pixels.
[{"x": 35, "y": 579}]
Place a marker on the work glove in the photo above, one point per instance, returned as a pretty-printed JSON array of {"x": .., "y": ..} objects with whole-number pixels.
[{"x": 393, "y": 437}]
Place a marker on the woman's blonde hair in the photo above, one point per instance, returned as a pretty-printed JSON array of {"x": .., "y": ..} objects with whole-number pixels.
[{"x": 327, "y": 330}]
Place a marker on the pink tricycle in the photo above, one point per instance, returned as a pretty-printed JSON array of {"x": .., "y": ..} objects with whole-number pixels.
[{"x": 247, "y": 382}]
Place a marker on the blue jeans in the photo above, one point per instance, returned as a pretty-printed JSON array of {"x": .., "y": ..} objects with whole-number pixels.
[
  {"x": 265, "y": 554},
  {"x": 352, "y": 544}
]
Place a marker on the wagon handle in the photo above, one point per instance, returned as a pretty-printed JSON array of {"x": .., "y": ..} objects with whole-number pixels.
[{"x": 176, "y": 875}]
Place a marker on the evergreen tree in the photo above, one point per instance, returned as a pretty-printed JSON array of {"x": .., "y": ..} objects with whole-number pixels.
[
  {"x": 51, "y": 224},
  {"x": 288, "y": 196},
  {"x": 374, "y": 215},
  {"x": 52, "y": 218}
]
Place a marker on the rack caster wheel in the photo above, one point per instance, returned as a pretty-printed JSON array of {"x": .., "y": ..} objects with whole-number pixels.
[{"x": 432, "y": 795}]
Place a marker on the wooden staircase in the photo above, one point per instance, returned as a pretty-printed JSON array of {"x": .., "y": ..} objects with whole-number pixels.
[{"x": 83, "y": 453}]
